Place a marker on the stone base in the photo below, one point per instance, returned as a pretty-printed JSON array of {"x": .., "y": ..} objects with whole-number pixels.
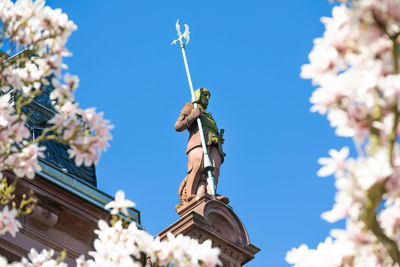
[{"x": 205, "y": 218}]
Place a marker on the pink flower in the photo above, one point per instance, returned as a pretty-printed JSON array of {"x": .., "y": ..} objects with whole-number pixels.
[
  {"x": 8, "y": 221},
  {"x": 69, "y": 109},
  {"x": 72, "y": 81},
  {"x": 26, "y": 162}
]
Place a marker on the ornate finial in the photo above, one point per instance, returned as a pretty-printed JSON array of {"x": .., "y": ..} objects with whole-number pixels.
[{"x": 181, "y": 36}]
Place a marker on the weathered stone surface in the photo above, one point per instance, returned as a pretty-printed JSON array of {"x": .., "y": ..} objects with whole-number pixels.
[
  {"x": 204, "y": 218},
  {"x": 64, "y": 219}
]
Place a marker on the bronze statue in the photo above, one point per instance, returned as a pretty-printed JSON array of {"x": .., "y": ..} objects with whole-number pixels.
[{"x": 195, "y": 183}]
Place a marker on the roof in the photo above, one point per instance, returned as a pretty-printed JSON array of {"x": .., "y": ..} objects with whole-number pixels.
[{"x": 56, "y": 154}]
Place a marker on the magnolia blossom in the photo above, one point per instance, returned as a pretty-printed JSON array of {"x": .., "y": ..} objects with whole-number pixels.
[
  {"x": 344, "y": 206},
  {"x": 355, "y": 66},
  {"x": 38, "y": 34},
  {"x": 120, "y": 204},
  {"x": 390, "y": 218},
  {"x": 44, "y": 258},
  {"x": 26, "y": 162},
  {"x": 372, "y": 170},
  {"x": 335, "y": 164},
  {"x": 350, "y": 247},
  {"x": 4, "y": 262},
  {"x": 119, "y": 246},
  {"x": 8, "y": 221}
]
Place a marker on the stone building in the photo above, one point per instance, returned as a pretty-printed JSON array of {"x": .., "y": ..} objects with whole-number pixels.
[{"x": 69, "y": 203}]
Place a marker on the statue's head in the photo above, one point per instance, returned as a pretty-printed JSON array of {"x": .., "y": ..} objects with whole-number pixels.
[{"x": 202, "y": 96}]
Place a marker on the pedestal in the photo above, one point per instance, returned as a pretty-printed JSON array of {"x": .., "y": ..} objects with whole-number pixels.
[{"x": 203, "y": 219}]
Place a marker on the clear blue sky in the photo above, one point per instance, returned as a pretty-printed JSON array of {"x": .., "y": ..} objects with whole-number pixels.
[{"x": 248, "y": 53}]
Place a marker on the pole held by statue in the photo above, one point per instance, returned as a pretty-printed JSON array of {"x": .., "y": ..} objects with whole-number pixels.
[{"x": 208, "y": 168}]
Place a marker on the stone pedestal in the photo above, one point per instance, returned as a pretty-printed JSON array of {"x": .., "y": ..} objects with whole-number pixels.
[{"x": 204, "y": 218}]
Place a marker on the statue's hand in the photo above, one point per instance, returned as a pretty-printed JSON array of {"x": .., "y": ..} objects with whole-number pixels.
[{"x": 196, "y": 113}]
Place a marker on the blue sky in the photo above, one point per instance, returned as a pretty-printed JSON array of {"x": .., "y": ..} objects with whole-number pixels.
[{"x": 248, "y": 54}]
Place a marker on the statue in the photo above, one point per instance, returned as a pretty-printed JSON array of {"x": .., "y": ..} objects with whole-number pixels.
[{"x": 195, "y": 183}]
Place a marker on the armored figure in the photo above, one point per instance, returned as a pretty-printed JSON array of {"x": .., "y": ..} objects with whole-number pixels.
[{"x": 195, "y": 183}]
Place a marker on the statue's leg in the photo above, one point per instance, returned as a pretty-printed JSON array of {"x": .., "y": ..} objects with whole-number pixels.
[
  {"x": 195, "y": 157},
  {"x": 216, "y": 160}
]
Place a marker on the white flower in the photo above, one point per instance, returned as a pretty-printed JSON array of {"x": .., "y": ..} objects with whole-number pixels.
[
  {"x": 44, "y": 259},
  {"x": 335, "y": 164},
  {"x": 373, "y": 169},
  {"x": 340, "y": 210},
  {"x": 120, "y": 204}
]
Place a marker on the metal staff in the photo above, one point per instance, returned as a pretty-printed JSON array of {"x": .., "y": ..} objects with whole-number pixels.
[{"x": 208, "y": 167}]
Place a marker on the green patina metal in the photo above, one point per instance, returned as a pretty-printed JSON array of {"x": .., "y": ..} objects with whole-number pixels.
[{"x": 202, "y": 96}]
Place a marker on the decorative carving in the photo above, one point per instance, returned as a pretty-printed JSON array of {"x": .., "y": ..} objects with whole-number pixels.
[
  {"x": 204, "y": 219},
  {"x": 44, "y": 216}
]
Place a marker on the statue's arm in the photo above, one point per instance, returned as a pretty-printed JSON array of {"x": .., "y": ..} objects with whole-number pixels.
[{"x": 187, "y": 116}]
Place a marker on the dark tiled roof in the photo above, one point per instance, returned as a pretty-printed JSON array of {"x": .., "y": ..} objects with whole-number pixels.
[
  {"x": 40, "y": 111},
  {"x": 56, "y": 154}
]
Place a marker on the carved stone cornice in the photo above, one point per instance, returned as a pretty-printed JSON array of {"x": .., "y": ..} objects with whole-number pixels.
[{"x": 204, "y": 218}]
